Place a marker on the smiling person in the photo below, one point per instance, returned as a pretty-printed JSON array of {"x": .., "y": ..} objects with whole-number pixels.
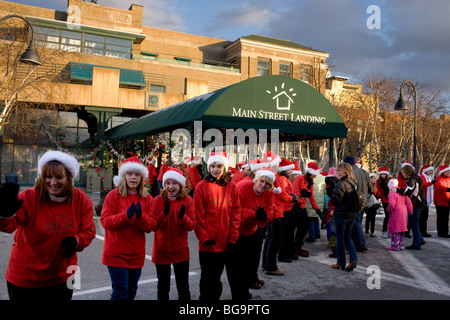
[
  {"x": 174, "y": 211},
  {"x": 126, "y": 218},
  {"x": 53, "y": 220},
  {"x": 218, "y": 216}
]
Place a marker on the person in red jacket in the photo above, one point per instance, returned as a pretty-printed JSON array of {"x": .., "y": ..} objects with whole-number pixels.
[
  {"x": 383, "y": 193},
  {"x": 442, "y": 200},
  {"x": 152, "y": 175},
  {"x": 256, "y": 201},
  {"x": 126, "y": 217},
  {"x": 174, "y": 211},
  {"x": 303, "y": 188},
  {"x": 218, "y": 216},
  {"x": 53, "y": 221},
  {"x": 426, "y": 174}
]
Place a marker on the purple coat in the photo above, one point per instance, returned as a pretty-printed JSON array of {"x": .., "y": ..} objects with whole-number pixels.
[{"x": 399, "y": 207}]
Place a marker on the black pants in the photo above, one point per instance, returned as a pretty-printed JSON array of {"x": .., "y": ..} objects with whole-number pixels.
[
  {"x": 386, "y": 216},
  {"x": 272, "y": 245},
  {"x": 287, "y": 246},
  {"x": 181, "y": 270},
  {"x": 57, "y": 292},
  {"x": 301, "y": 222},
  {"x": 370, "y": 219},
  {"x": 442, "y": 214},
  {"x": 423, "y": 221},
  {"x": 250, "y": 255}
]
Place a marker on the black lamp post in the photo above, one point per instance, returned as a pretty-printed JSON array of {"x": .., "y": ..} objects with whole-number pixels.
[
  {"x": 30, "y": 56},
  {"x": 401, "y": 106}
]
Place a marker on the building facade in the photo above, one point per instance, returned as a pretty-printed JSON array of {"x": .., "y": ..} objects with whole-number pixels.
[{"x": 102, "y": 67}]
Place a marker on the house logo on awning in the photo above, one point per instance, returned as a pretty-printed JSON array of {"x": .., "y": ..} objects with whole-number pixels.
[{"x": 284, "y": 98}]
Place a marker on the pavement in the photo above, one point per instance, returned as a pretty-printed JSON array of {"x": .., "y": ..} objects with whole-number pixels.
[{"x": 380, "y": 275}]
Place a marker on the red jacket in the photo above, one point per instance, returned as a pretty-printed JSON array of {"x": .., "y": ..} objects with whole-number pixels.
[
  {"x": 280, "y": 199},
  {"x": 218, "y": 215},
  {"x": 426, "y": 184},
  {"x": 441, "y": 196},
  {"x": 170, "y": 244},
  {"x": 380, "y": 192},
  {"x": 249, "y": 202},
  {"x": 194, "y": 176},
  {"x": 300, "y": 183},
  {"x": 124, "y": 244},
  {"x": 36, "y": 257},
  {"x": 238, "y": 177},
  {"x": 289, "y": 189}
]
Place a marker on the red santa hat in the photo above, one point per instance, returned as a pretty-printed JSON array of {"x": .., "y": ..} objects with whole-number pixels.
[
  {"x": 241, "y": 165},
  {"x": 372, "y": 175},
  {"x": 271, "y": 159},
  {"x": 256, "y": 164},
  {"x": 296, "y": 169},
  {"x": 392, "y": 184},
  {"x": 187, "y": 160},
  {"x": 406, "y": 163},
  {"x": 67, "y": 160},
  {"x": 285, "y": 164},
  {"x": 132, "y": 164},
  {"x": 443, "y": 168},
  {"x": 324, "y": 173},
  {"x": 233, "y": 171},
  {"x": 313, "y": 168},
  {"x": 218, "y": 157},
  {"x": 426, "y": 168},
  {"x": 195, "y": 160},
  {"x": 384, "y": 170},
  {"x": 266, "y": 172},
  {"x": 174, "y": 174},
  {"x": 151, "y": 161}
]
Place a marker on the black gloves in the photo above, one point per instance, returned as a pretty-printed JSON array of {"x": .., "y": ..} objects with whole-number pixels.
[
  {"x": 260, "y": 214},
  {"x": 69, "y": 244},
  {"x": 448, "y": 189},
  {"x": 166, "y": 208},
  {"x": 131, "y": 210},
  {"x": 8, "y": 199},
  {"x": 209, "y": 243},
  {"x": 320, "y": 214},
  {"x": 305, "y": 193},
  {"x": 138, "y": 211},
  {"x": 182, "y": 211},
  {"x": 294, "y": 197}
]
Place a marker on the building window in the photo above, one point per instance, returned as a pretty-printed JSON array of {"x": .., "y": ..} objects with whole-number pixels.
[
  {"x": 305, "y": 74},
  {"x": 285, "y": 69},
  {"x": 263, "y": 67},
  {"x": 157, "y": 88}
]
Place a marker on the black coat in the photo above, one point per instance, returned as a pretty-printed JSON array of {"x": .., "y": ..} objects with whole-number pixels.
[{"x": 338, "y": 199}]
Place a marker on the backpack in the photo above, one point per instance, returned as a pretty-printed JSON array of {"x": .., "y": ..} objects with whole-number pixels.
[{"x": 355, "y": 200}]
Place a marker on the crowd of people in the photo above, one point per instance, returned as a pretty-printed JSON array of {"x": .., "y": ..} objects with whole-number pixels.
[{"x": 246, "y": 219}]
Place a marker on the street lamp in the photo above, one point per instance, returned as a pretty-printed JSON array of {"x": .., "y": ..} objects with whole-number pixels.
[
  {"x": 30, "y": 55},
  {"x": 401, "y": 106}
]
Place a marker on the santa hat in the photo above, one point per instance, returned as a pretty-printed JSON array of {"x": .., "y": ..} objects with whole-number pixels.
[
  {"x": 152, "y": 161},
  {"x": 67, "y": 160},
  {"x": 332, "y": 172},
  {"x": 132, "y": 164},
  {"x": 187, "y": 160},
  {"x": 324, "y": 173},
  {"x": 384, "y": 170},
  {"x": 285, "y": 164},
  {"x": 313, "y": 168},
  {"x": 372, "y": 175},
  {"x": 174, "y": 174},
  {"x": 195, "y": 160},
  {"x": 242, "y": 164},
  {"x": 443, "y": 168},
  {"x": 296, "y": 169},
  {"x": 426, "y": 167},
  {"x": 266, "y": 172},
  {"x": 406, "y": 163},
  {"x": 218, "y": 157},
  {"x": 256, "y": 164},
  {"x": 233, "y": 171},
  {"x": 271, "y": 159},
  {"x": 392, "y": 184}
]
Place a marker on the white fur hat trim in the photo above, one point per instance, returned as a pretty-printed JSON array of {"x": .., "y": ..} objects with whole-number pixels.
[{"x": 67, "y": 160}]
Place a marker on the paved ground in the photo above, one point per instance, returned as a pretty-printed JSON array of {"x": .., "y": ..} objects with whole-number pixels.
[{"x": 380, "y": 275}]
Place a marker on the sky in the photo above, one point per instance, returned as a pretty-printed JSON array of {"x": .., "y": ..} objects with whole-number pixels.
[{"x": 398, "y": 39}]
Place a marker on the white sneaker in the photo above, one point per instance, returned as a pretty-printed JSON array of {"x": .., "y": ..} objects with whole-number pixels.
[{"x": 384, "y": 234}]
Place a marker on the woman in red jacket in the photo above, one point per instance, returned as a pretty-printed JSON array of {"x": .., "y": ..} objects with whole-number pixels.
[
  {"x": 126, "y": 218},
  {"x": 217, "y": 215},
  {"x": 174, "y": 211},
  {"x": 54, "y": 221},
  {"x": 442, "y": 200},
  {"x": 382, "y": 193}
]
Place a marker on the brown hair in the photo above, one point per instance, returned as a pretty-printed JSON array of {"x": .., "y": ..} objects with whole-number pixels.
[
  {"x": 123, "y": 189},
  {"x": 54, "y": 167},
  {"x": 180, "y": 196},
  {"x": 409, "y": 171},
  {"x": 347, "y": 169},
  {"x": 222, "y": 180}
]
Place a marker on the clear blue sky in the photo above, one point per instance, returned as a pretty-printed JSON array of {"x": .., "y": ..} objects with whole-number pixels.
[{"x": 413, "y": 41}]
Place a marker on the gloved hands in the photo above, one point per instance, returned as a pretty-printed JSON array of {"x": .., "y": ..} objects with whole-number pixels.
[
  {"x": 320, "y": 214},
  {"x": 166, "y": 208},
  {"x": 69, "y": 244},
  {"x": 260, "y": 214},
  {"x": 182, "y": 211},
  {"x": 138, "y": 211},
  {"x": 276, "y": 190},
  {"x": 209, "y": 242},
  {"x": 8, "y": 199},
  {"x": 294, "y": 197},
  {"x": 131, "y": 210}
]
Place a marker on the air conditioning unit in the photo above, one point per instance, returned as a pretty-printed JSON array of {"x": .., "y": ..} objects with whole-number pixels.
[{"x": 153, "y": 100}]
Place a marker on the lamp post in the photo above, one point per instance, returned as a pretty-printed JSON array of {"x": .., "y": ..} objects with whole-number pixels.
[
  {"x": 30, "y": 55},
  {"x": 401, "y": 106}
]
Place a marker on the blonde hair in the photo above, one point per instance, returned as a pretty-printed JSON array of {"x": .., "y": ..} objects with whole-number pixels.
[
  {"x": 267, "y": 180},
  {"x": 347, "y": 169},
  {"x": 54, "y": 167},
  {"x": 123, "y": 189}
]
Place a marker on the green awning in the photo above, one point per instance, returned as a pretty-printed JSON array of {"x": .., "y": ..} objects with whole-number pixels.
[{"x": 265, "y": 102}]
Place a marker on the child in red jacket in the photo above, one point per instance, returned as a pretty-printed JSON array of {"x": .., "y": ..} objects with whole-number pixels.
[
  {"x": 52, "y": 221},
  {"x": 218, "y": 215},
  {"x": 174, "y": 211},
  {"x": 126, "y": 218}
]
